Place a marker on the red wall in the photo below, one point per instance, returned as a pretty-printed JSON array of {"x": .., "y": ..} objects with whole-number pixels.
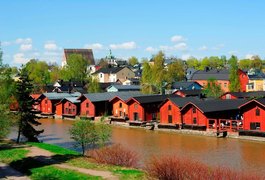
[
  {"x": 249, "y": 115},
  {"x": 59, "y": 109},
  {"x": 225, "y": 95},
  {"x": 117, "y": 109},
  {"x": 175, "y": 112},
  {"x": 188, "y": 115},
  {"x": 243, "y": 78},
  {"x": 180, "y": 93},
  {"x": 46, "y": 106},
  {"x": 139, "y": 109},
  {"x": 223, "y": 83},
  {"x": 87, "y": 111},
  {"x": 69, "y": 108}
]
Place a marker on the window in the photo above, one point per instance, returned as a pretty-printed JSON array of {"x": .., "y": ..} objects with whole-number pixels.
[
  {"x": 194, "y": 120},
  {"x": 73, "y": 110},
  {"x": 69, "y": 104},
  {"x": 153, "y": 116},
  {"x": 87, "y": 112},
  {"x": 225, "y": 85},
  {"x": 46, "y": 101},
  {"x": 169, "y": 107},
  {"x": 120, "y": 113},
  {"x": 169, "y": 118},
  {"x": 135, "y": 106},
  {"x": 257, "y": 112},
  {"x": 120, "y": 105},
  {"x": 87, "y": 105},
  {"x": 66, "y": 110},
  {"x": 193, "y": 110},
  {"x": 100, "y": 75},
  {"x": 228, "y": 96},
  {"x": 254, "y": 126}
]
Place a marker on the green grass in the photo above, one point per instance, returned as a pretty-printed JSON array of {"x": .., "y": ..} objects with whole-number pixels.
[
  {"x": 9, "y": 155},
  {"x": 54, "y": 149},
  {"x": 127, "y": 174},
  {"x": 50, "y": 172}
]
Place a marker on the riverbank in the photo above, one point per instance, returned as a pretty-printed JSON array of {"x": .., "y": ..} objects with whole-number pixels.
[
  {"x": 45, "y": 161},
  {"x": 233, "y": 135}
]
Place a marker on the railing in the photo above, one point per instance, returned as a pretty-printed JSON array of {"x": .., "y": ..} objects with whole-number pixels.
[{"x": 229, "y": 125}]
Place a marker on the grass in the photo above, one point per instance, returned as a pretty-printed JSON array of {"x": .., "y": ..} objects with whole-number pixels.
[
  {"x": 54, "y": 149},
  {"x": 9, "y": 155},
  {"x": 50, "y": 172},
  {"x": 127, "y": 174}
]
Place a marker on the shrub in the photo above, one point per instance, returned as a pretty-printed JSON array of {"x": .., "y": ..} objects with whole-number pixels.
[
  {"x": 115, "y": 155},
  {"x": 175, "y": 168}
]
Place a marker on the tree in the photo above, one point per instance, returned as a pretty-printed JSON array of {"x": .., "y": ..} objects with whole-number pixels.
[
  {"x": 192, "y": 62},
  {"x": 103, "y": 63},
  {"x": 87, "y": 134},
  {"x": 158, "y": 71},
  {"x": 93, "y": 85},
  {"x": 212, "y": 89},
  {"x": 175, "y": 71},
  {"x": 133, "y": 60},
  {"x": 27, "y": 119},
  {"x": 76, "y": 68},
  {"x": 244, "y": 64},
  {"x": 256, "y": 63},
  {"x": 234, "y": 85},
  {"x": 146, "y": 80}
]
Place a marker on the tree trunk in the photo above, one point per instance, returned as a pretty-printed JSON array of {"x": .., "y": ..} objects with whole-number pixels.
[
  {"x": 83, "y": 149},
  {"x": 19, "y": 132}
]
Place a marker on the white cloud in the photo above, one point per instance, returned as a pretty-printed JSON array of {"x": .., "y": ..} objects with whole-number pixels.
[
  {"x": 51, "y": 46},
  {"x": 185, "y": 56},
  {"x": 233, "y": 52},
  {"x": 126, "y": 45},
  {"x": 6, "y": 43},
  {"x": 249, "y": 56},
  {"x": 177, "y": 38},
  {"x": 25, "y": 47},
  {"x": 19, "y": 58},
  {"x": 203, "y": 48},
  {"x": 95, "y": 46},
  {"x": 23, "y": 41},
  {"x": 178, "y": 47},
  {"x": 150, "y": 49}
]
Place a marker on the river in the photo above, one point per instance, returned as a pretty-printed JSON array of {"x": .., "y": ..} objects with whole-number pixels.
[{"x": 234, "y": 153}]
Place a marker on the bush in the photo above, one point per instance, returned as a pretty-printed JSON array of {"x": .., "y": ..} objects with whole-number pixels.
[
  {"x": 175, "y": 168},
  {"x": 115, "y": 155}
]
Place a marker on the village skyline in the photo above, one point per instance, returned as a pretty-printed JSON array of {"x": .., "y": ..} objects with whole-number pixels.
[{"x": 35, "y": 30}]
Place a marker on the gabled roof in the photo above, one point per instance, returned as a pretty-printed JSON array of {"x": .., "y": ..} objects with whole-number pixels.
[
  {"x": 125, "y": 96},
  {"x": 151, "y": 98},
  {"x": 86, "y": 54},
  {"x": 184, "y": 84},
  {"x": 247, "y": 94},
  {"x": 111, "y": 70},
  {"x": 195, "y": 92},
  {"x": 59, "y": 96},
  {"x": 73, "y": 100},
  {"x": 213, "y": 73},
  {"x": 125, "y": 87},
  {"x": 179, "y": 101},
  {"x": 106, "y": 96},
  {"x": 217, "y": 105},
  {"x": 260, "y": 101}
]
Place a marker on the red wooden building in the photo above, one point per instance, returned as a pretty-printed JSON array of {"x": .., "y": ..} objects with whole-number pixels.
[
  {"x": 68, "y": 107},
  {"x": 254, "y": 115},
  {"x": 243, "y": 95},
  {"x": 207, "y": 114},
  {"x": 189, "y": 93},
  {"x": 170, "y": 109},
  {"x": 119, "y": 106},
  {"x": 145, "y": 108},
  {"x": 48, "y": 101}
]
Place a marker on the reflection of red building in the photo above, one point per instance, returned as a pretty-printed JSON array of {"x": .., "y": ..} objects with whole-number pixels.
[
  {"x": 145, "y": 108},
  {"x": 36, "y": 104},
  {"x": 170, "y": 109},
  {"x": 68, "y": 107},
  {"x": 254, "y": 115},
  {"x": 196, "y": 114},
  {"x": 13, "y": 106}
]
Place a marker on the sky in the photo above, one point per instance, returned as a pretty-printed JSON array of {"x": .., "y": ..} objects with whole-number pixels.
[{"x": 41, "y": 29}]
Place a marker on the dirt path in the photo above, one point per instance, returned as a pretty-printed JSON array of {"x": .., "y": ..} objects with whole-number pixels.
[{"x": 46, "y": 157}]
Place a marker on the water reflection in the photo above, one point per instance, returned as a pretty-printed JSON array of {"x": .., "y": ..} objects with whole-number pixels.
[{"x": 233, "y": 153}]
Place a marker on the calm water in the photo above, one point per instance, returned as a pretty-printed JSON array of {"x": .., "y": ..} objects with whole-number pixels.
[{"x": 234, "y": 153}]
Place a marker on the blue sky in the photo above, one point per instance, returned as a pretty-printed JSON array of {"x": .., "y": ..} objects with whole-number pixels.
[{"x": 182, "y": 28}]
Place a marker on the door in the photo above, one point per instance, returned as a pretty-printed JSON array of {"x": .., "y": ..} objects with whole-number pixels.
[{"x": 135, "y": 116}]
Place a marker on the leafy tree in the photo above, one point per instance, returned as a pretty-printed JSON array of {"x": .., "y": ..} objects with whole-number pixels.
[
  {"x": 38, "y": 73},
  {"x": 212, "y": 89},
  {"x": 103, "y": 63},
  {"x": 192, "y": 62},
  {"x": 93, "y": 85},
  {"x": 244, "y": 64},
  {"x": 175, "y": 72},
  {"x": 234, "y": 85},
  {"x": 54, "y": 73},
  {"x": 158, "y": 71},
  {"x": 76, "y": 68},
  {"x": 87, "y": 134},
  {"x": 27, "y": 118},
  {"x": 146, "y": 80},
  {"x": 133, "y": 60},
  {"x": 204, "y": 63},
  {"x": 256, "y": 63}
]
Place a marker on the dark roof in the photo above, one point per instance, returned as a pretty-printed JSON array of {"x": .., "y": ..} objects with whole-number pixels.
[
  {"x": 259, "y": 100},
  {"x": 218, "y": 105},
  {"x": 125, "y": 87},
  {"x": 59, "y": 96},
  {"x": 213, "y": 73},
  {"x": 86, "y": 54},
  {"x": 152, "y": 98},
  {"x": 109, "y": 70},
  {"x": 180, "y": 102},
  {"x": 247, "y": 94},
  {"x": 106, "y": 96},
  {"x": 183, "y": 84},
  {"x": 256, "y": 76},
  {"x": 127, "y": 96},
  {"x": 194, "y": 92}
]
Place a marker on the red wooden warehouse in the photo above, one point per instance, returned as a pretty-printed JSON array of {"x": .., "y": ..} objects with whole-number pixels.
[
  {"x": 68, "y": 107},
  {"x": 254, "y": 115},
  {"x": 170, "y": 109},
  {"x": 145, "y": 108},
  {"x": 204, "y": 114}
]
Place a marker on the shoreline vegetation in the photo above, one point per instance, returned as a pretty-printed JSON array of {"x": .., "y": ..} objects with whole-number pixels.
[{"x": 51, "y": 161}]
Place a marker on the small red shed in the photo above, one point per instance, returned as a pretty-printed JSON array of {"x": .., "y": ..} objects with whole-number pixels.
[{"x": 68, "y": 107}]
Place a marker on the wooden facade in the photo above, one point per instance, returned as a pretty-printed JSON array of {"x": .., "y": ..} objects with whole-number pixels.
[
  {"x": 119, "y": 107},
  {"x": 170, "y": 113}
]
